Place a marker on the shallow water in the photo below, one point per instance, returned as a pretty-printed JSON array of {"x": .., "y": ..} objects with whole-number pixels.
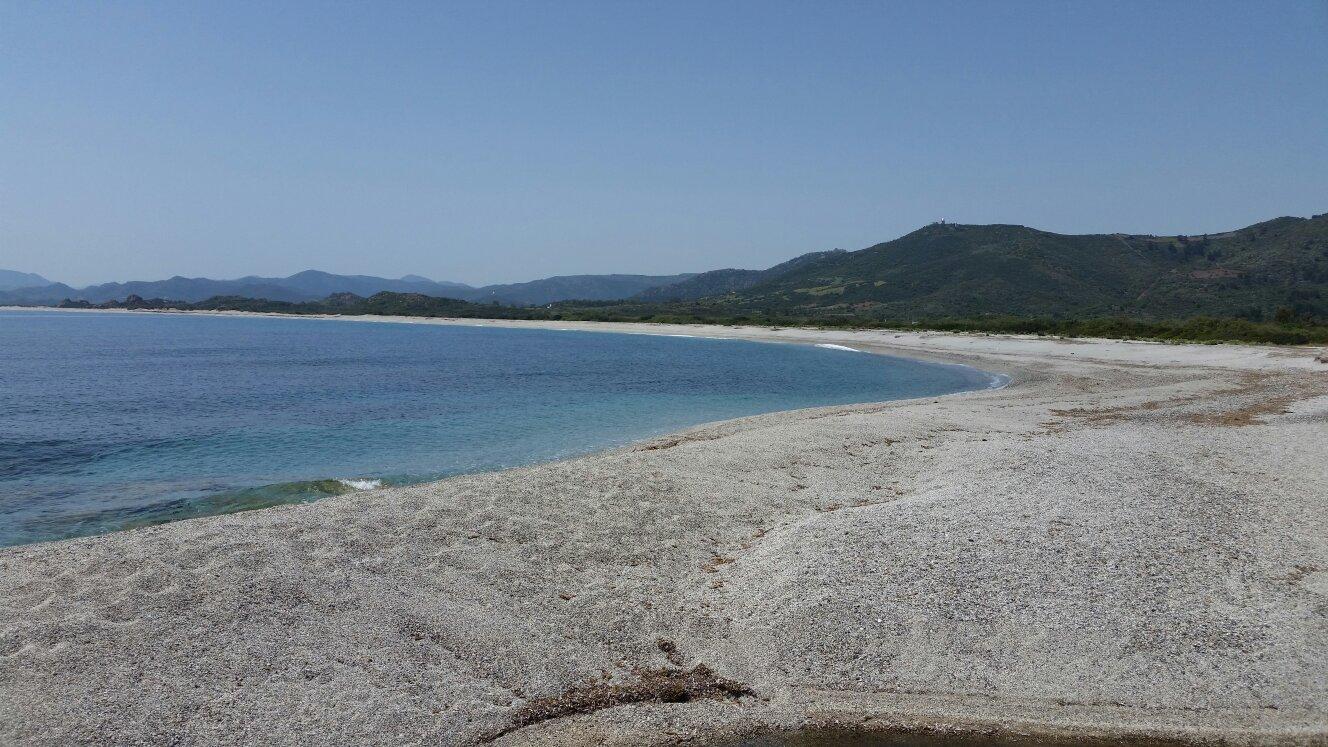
[{"x": 115, "y": 420}]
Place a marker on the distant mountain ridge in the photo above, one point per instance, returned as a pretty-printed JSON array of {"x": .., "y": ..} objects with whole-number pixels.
[
  {"x": 11, "y": 279},
  {"x": 312, "y": 285},
  {"x": 1275, "y": 270}
]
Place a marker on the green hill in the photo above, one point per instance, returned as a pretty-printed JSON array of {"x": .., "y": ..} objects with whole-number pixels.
[
  {"x": 947, "y": 270},
  {"x": 720, "y": 282}
]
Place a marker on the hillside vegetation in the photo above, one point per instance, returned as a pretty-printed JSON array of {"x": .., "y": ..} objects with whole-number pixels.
[
  {"x": 565, "y": 287},
  {"x": 722, "y": 282},
  {"x": 972, "y": 271}
]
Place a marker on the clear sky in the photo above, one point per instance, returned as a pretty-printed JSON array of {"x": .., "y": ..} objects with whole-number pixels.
[{"x": 501, "y": 141}]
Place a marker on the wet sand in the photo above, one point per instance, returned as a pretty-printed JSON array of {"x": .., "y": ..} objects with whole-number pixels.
[{"x": 1128, "y": 542}]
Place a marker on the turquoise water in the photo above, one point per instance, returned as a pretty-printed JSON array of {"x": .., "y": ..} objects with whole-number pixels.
[{"x": 109, "y": 421}]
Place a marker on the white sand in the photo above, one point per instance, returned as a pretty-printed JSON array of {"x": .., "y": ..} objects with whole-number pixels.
[{"x": 1130, "y": 540}]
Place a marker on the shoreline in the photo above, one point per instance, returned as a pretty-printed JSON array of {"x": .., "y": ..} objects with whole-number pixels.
[
  {"x": 143, "y": 517},
  {"x": 753, "y": 332},
  {"x": 890, "y": 341},
  {"x": 1052, "y": 558}
]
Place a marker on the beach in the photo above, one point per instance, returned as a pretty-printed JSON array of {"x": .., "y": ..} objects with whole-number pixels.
[{"x": 1128, "y": 541}]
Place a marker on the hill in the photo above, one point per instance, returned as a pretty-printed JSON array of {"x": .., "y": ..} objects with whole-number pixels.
[
  {"x": 722, "y": 282},
  {"x": 317, "y": 284},
  {"x": 946, "y": 270},
  {"x": 303, "y": 286},
  {"x": 11, "y": 279},
  {"x": 567, "y": 287}
]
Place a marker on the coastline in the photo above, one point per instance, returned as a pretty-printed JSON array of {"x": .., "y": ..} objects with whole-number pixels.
[
  {"x": 926, "y": 345},
  {"x": 1054, "y": 558},
  {"x": 379, "y": 456}
]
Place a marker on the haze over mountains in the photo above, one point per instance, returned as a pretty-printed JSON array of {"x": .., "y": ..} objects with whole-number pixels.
[
  {"x": 312, "y": 285},
  {"x": 942, "y": 270},
  {"x": 10, "y": 279}
]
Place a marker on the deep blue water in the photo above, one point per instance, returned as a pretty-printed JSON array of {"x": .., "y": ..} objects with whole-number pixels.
[{"x": 115, "y": 420}]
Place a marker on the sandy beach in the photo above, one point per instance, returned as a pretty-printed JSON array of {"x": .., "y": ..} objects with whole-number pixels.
[{"x": 1130, "y": 541}]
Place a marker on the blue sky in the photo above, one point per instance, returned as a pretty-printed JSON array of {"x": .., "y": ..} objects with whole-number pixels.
[{"x": 502, "y": 141}]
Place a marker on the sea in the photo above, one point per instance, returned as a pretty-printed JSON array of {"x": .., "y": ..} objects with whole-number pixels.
[{"x": 110, "y": 421}]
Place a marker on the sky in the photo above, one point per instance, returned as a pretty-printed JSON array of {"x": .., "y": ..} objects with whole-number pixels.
[{"x": 505, "y": 141}]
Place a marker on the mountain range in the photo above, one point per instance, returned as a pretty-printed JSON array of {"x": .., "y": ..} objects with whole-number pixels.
[
  {"x": 10, "y": 279},
  {"x": 1277, "y": 268},
  {"x": 312, "y": 285}
]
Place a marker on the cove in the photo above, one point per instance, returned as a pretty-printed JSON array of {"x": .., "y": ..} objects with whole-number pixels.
[{"x": 116, "y": 420}]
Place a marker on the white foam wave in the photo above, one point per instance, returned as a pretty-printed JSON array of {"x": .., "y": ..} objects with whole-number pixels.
[
  {"x": 830, "y": 346},
  {"x": 361, "y": 484}
]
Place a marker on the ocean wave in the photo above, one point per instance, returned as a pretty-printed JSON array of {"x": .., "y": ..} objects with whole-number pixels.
[
  {"x": 361, "y": 483},
  {"x": 831, "y": 346},
  {"x": 99, "y": 521}
]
